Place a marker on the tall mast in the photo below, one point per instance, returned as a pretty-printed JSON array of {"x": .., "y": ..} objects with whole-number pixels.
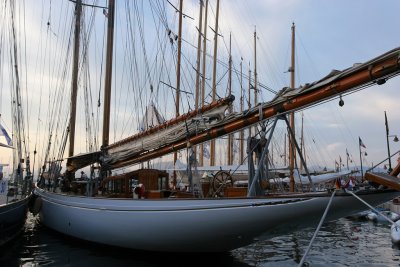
[
  {"x": 178, "y": 67},
  {"x": 203, "y": 79},
  {"x": 255, "y": 74},
  {"x": 214, "y": 85},
  {"x": 198, "y": 57},
  {"x": 74, "y": 90},
  {"x": 230, "y": 136},
  {"x": 17, "y": 112},
  {"x": 292, "y": 151},
  {"x": 249, "y": 101},
  {"x": 108, "y": 75},
  {"x": 302, "y": 148},
  {"x": 241, "y": 139},
  {"x": 178, "y": 76},
  {"x": 387, "y": 142},
  {"x": 197, "y": 93},
  {"x": 255, "y": 68}
]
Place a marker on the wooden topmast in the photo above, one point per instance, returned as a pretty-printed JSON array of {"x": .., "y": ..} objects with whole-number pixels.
[
  {"x": 292, "y": 149},
  {"x": 74, "y": 89},
  {"x": 214, "y": 81},
  {"x": 108, "y": 74}
]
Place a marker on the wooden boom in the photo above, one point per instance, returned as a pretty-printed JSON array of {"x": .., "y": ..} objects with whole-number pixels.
[{"x": 377, "y": 70}]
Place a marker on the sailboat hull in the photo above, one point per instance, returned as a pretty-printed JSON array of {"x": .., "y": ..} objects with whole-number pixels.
[
  {"x": 189, "y": 225},
  {"x": 12, "y": 219}
]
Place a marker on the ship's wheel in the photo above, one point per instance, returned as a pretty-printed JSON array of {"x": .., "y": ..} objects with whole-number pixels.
[{"x": 221, "y": 180}]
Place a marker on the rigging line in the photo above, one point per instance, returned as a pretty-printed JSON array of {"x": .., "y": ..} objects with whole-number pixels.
[
  {"x": 19, "y": 104},
  {"x": 83, "y": 4},
  {"x": 141, "y": 34},
  {"x": 177, "y": 10},
  {"x": 55, "y": 121},
  {"x": 162, "y": 19},
  {"x": 235, "y": 70},
  {"x": 26, "y": 76},
  {"x": 132, "y": 57}
]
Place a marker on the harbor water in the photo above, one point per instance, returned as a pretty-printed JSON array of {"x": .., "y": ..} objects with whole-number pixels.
[{"x": 346, "y": 242}]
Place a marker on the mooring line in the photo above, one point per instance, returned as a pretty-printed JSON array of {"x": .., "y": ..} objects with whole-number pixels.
[
  {"x": 317, "y": 230},
  {"x": 383, "y": 215}
]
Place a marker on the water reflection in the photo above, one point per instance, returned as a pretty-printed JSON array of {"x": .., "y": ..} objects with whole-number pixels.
[{"x": 341, "y": 243}]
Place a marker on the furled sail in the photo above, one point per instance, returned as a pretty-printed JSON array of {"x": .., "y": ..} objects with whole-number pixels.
[{"x": 175, "y": 130}]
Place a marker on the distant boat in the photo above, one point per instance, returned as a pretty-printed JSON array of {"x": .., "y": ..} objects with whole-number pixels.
[
  {"x": 138, "y": 210},
  {"x": 13, "y": 212},
  {"x": 16, "y": 192}
]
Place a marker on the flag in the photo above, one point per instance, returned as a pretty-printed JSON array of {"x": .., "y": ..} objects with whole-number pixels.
[
  {"x": 105, "y": 13},
  {"x": 347, "y": 153},
  {"x": 206, "y": 152},
  {"x": 361, "y": 142},
  {"x": 4, "y": 133}
]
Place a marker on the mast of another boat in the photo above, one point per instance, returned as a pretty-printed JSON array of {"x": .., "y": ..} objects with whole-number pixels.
[
  {"x": 108, "y": 76},
  {"x": 17, "y": 113},
  {"x": 178, "y": 80},
  {"x": 249, "y": 96},
  {"x": 198, "y": 62},
  {"x": 203, "y": 80},
  {"x": 74, "y": 88},
  {"x": 230, "y": 136},
  {"x": 241, "y": 111},
  {"x": 214, "y": 82},
  {"x": 292, "y": 151},
  {"x": 302, "y": 148},
  {"x": 255, "y": 75}
]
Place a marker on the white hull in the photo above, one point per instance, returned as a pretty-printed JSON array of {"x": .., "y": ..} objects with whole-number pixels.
[{"x": 189, "y": 225}]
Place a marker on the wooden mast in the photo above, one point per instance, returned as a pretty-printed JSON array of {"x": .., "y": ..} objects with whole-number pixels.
[
  {"x": 203, "y": 79},
  {"x": 197, "y": 92},
  {"x": 230, "y": 136},
  {"x": 255, "y": 72},
  {"x": 196, "y": 105},
  {"x": 249, "y": 101},
  {"x": 302, "y": 147},
  {"x": 108, "y": 74},
  {"x": 178, "y": 77},
  {"x": 74, "y": 90},
  {"x": 241, "y": 139},
  {"x": 292, "y": 151},
  {"x": 214, "y": 83}
]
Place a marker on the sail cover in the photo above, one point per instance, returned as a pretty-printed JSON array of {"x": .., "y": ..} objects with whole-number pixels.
[
  {"x": 82, "y": 160},
  {"x": 164, "y": 136}
]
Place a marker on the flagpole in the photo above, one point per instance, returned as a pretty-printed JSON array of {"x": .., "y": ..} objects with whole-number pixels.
[{"x": 359, "y": 146}]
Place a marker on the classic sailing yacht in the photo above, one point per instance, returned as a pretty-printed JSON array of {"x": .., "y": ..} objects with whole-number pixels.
[
  {"x": 16, "y": 190},
  {"x": 138, "y": 210}
]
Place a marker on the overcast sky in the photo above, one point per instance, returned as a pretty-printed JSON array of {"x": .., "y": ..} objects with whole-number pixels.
[{"x": 329, "y": 35}]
